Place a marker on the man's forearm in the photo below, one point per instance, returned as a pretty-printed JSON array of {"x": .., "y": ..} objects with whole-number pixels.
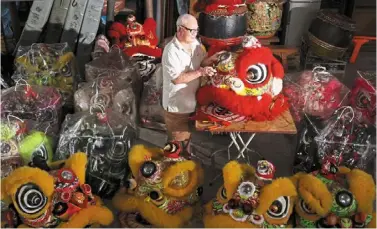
[
  {"x": 206, "y": 62},
  {"x": 187, "y": 77}
]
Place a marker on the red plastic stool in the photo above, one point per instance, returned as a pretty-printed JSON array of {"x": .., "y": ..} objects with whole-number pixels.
[{"x": 359, "y": 41}]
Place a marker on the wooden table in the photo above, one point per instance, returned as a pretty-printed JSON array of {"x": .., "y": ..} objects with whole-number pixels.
[{"x": 283, "y": 124}]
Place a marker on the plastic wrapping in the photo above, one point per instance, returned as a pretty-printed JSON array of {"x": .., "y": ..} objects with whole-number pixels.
[
  {"x": 38, "y": 103},
  {"x": 107, "y": 92},
  {"x": 115, "y": 64},
  {"x": 101, "y": 46},
  {"x": 306, "y": 157},
  {"x": 345, "y": 141},
  {"x": 106, "y": 138},
  {"x": 22, "y": 143},
  {"x": 315, "y": 93},
  {"x": 151, "y": 110},
  {"x": 363, "y": 97},
  {"x": 48, "y": 65}
]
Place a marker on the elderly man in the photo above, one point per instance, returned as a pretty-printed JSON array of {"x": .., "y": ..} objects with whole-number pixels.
[{"x": 184, "y": 61}]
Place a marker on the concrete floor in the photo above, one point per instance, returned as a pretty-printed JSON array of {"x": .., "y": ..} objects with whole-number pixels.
[{"x": 277, "y": 148}]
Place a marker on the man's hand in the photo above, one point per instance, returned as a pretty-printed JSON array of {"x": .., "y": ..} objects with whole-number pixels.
[
  {"x": 211, "y": 60},
  {"x": 207, "y": 71}
]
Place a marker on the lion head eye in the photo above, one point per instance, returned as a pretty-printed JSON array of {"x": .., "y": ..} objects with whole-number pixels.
[
  {"x": 256, "y": 74},
  {"x": 30, "y": 199},
  {"x": 279, "y": 208}
]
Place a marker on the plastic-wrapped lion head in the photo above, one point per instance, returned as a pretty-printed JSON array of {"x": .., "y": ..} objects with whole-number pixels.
[
  {"x": 55, "y": 198},
  {"x": 339, "y": 198},
  {"x": 251, "y": 198},
  {"x": 162, "y": 191}
]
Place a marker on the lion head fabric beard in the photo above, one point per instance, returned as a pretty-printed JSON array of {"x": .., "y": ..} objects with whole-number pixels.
[
  {"x": 251, "y": 198},
  {"x": 335, "y": 197},
  {"x": 55, "y": 198},
  {"x": 162, "y": 190}
]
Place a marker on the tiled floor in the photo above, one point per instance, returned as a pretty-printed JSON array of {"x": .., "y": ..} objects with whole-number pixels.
[{"x": 279, "y": 149}]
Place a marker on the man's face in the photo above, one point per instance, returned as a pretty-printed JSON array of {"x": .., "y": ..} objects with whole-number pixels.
[{"x": 189, "y": 30}]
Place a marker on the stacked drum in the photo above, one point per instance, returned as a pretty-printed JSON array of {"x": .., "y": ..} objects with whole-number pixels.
[
  {"x": 264, "y": 17},
  {"x": 330, "y": 34},
  {"x": 223, "y": 25}
]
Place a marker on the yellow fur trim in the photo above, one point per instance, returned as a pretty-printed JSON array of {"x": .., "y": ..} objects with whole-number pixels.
[
  {"x": 232, "y": 174},
  {"x": 77, "y": 162},
  {"x": 315, "y": 194},
  {"x": 363, "y": 188},
  {"x": 343, "y": 170},
  {"x": 150, "y": 212},
  {"x": 139, "y": 154},
  {"x": 270, "y": 192},
  {"x": 173, "y": 171},
  {"x": 124, "y": 202},
  {"x": 248, "y": 170},
  {"x": 89, "y": 216},
  {"x": 25, "y": 175},
  {"x": 295, "y": 178}
]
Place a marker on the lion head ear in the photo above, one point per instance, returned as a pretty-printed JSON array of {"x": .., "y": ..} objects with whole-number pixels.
[
  {"x": 139, "y": 154},
  {"x": 182, "y": 178},
  {"x": 314, "y": 192},
  {"x": 232, "y": 175},
  {"x": 363, "y": 188}
]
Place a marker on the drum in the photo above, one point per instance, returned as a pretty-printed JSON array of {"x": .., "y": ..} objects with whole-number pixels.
[
  {"x": 330, "y": 34},
  {"x": 223, "y": 26},
  {"x": 264, "y": 17}
]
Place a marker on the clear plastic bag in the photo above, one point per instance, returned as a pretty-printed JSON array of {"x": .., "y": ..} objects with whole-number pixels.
[
  {"x": 106, "y": 137},
  {"x": 115, "y": 64},
  {"x": 107, "y": 92},
  {"x": 31, "y": 102},
  {"x": 51, "y": 65},
  {"x": 346, "y": 141},
  {"x": 101, "y": 46},
  {"x": 306, "y": 157},
  {"x": 151, "y": 110},
  {"x": 363, "y": 97},
  {"x": 315, "y": 93},
  {"x": 23, "y": 142}
]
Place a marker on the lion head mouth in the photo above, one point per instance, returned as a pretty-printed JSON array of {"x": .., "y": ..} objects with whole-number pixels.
[{"x": 133, "y": 220}]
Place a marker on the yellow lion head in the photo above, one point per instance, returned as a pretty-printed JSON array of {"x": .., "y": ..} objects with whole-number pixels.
[
  {"x": 250, "y": 198},
  {"x": 55, "y": 198},
  {"x": 161, "y": 191},
  {"x": 344, "y": 200}
]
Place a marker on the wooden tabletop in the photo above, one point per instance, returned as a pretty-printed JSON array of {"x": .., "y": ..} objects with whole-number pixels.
[{"x": 283, "y": 124}]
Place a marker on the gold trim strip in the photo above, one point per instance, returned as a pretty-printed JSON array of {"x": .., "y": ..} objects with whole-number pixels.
[{"x": 323, "y": 44}]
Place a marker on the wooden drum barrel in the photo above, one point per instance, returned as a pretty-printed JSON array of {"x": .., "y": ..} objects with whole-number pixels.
[
  {"x": 264, "y": 17},
  {"x": 223, "y": 26},
  {"x": 330, "y": 34}
]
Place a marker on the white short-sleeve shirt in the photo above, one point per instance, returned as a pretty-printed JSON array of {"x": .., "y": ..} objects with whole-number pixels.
[{"x": 180, "y": 98}]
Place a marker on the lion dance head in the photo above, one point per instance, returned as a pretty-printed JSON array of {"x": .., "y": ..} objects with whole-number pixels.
[
  {"x": 162, "y": 191},
  {"x": 251, "y": 198},
  {"x": 55, "y": 198},
  {"x": 340, "y": 198}
]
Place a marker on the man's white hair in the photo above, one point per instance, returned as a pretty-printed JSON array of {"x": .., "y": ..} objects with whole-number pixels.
[{"x": 182, "y": 20}]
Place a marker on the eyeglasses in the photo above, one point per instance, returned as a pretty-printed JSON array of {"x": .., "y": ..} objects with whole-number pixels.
[{"x": 192, "y": 31}]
